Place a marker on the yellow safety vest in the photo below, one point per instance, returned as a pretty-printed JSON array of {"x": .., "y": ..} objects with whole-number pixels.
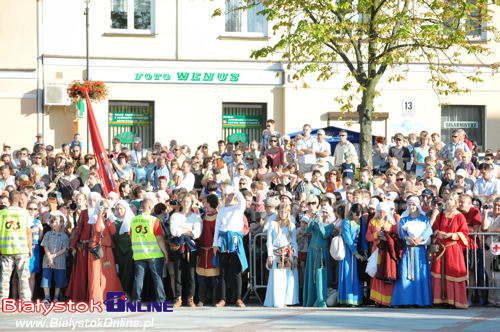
[
  {"x": 144, "y": 243},
  {"x": 13, "y": 226}
]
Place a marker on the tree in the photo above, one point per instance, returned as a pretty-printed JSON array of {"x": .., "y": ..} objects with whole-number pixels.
[{"x": 372, "y": 36}]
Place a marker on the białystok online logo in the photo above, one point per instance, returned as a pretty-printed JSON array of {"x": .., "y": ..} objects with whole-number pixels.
[{"x": 115, "y": 302}]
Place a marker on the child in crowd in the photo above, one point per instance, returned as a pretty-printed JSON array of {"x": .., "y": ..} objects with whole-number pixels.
[
  {"x": 55, "y": 244},
  {"x": 76, "y": 141},
  {"x": 258, "y": 189},
  {"x": 141, "y": 172},
  {"x": 348, "y": 167},
  {"x": 364, "y": 181}
]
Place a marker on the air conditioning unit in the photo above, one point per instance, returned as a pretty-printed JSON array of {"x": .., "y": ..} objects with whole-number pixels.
[{"x": 56, "y": 95}]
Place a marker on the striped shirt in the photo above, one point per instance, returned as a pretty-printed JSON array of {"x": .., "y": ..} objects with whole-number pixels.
[{"x": 54, "y": 242}]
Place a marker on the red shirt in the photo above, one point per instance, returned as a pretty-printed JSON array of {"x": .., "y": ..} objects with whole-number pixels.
[{"x": 473, "y": 218}]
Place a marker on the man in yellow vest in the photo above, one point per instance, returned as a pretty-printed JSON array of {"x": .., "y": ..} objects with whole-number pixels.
[
  {"x": 149, "y": 250},
  {"x": 15, "y": 247}
]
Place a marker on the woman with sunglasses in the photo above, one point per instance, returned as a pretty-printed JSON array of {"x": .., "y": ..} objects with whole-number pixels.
[
  {"x": 318, "y": 258},
  {"x": 413, "y": 286},
  {"x": 282, "y": 261},
  {"x": 275, "y": 152},
  {"x": 350, "y": 290}
]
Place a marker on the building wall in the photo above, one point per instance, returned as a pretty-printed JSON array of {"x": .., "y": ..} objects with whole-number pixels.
[{"x": 186, "y": 36}]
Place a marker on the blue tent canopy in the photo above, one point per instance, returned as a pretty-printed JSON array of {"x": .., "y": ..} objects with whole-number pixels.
[{"x": 332, "y": 136}]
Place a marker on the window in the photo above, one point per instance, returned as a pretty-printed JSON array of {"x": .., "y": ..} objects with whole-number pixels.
[
  {"x": 132, "y": 16},
  {"x": 247, "y": 22},
  {"x": 472, "y": 23}
]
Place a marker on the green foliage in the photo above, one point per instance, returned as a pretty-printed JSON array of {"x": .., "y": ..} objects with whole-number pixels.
[{"x": 372, "y": 36}]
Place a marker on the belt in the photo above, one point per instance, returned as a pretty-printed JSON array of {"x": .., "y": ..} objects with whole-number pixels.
[{"x": 318, "y": 250}]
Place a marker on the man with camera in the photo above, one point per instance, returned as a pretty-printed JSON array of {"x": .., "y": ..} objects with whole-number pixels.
[{"x": 491, "y": 224}]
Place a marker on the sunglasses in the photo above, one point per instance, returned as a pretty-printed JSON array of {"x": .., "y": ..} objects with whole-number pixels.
[
  {"x": 273, "y": 140},
  {"x": 399, "y": 180},
  {"x": 311, "y": 203},
  {"x": 341, "y": 135},
  {"x": 241, "y": 169},
  {"x": 238, "y": 154},
  {"x": 249, "y": 159},
  {"x": 454, "y": 136},
  {"x": 32, "y": 209}
]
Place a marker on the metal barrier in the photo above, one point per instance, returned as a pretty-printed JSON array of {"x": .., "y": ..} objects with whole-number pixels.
[
  {"x": 483, "y": 267},
  {"x": 257, "y": 265}
]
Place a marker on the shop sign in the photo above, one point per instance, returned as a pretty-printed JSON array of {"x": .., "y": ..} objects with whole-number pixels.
[
  {"x": 242, "y": 137},
  {"x": 187, "y": 76},
  {"x": 129, "y": 119},
  {"x": 241, "y": 121},
  {"x": 183, "y": 75},
  {"x": 461, "y": 124},
  {"x": 126, "y": 137}
]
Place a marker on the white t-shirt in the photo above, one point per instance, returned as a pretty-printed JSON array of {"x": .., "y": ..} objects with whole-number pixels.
[{"x": 310, "y": 143}]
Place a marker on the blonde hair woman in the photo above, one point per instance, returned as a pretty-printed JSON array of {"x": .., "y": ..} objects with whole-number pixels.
[
  {"x": 448, "y": 270},
  {"x": 282, "y": 260}
]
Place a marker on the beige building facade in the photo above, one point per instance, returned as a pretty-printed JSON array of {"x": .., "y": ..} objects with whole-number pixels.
[{"x": 174, "y": 72}]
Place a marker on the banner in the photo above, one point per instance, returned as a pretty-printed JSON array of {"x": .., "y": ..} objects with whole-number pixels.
[{"x": 105, "y": 173}]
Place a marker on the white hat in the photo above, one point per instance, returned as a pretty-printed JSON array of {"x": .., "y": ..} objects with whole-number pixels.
[
  {"x": 321, "y": 131},
  {"x": 328, "y": 209},
  {"x": 462, "y": 172},
  {"x": 137, "y": 139},
  {"x": 391, "y": 195},
  {"x": 229, "y": 190}
]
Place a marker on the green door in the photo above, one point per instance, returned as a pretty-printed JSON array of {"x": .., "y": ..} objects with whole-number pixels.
[
  {"x": 129, "y": 119},
  {"x": 242, "y": 121}
]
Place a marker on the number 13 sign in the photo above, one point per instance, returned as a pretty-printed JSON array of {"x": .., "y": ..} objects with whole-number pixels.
[{"x": 408, "y": 107}]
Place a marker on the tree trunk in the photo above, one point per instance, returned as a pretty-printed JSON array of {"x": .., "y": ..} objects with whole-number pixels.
[{"x": 365, "y": 111}]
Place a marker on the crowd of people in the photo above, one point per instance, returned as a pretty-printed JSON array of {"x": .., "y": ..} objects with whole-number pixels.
[{"x": 399, "y": 233}]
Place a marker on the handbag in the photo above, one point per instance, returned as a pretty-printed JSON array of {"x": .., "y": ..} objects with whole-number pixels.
[
  {"x": 96, "y": 248},
  {"x": 371, "y": 266},
  {"x": 434, "y": 247},
  {"x": 337, "y": 247}
]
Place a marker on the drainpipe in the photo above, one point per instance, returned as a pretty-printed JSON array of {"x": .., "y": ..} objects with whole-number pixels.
[{"x": 39, "y": 66}]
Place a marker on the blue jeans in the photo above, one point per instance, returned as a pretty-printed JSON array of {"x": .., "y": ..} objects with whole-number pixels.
[{"x": 156, "y": 267}]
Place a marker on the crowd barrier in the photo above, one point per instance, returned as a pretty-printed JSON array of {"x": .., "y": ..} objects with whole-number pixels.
[{"x": 483, "y": 266}]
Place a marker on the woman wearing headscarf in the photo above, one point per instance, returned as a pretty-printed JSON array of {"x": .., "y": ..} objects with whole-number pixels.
[
  {"x": 318, "y": 257},
  {"x": 123, "y": 246},
  {"x": 282, "y": 260},
  {"x": 102, "y": 271},
  {"x": 449, "y": 272},
  {"x": 382, "y": 230},
  {"x": 413, "y": 286},
  {"x": 350, "y": 288},
  {"x": 78, "y": 283}
]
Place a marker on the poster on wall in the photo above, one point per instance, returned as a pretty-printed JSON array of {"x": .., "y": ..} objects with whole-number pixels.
[
  {"x": 406, "y": 127},
  {"x": 241, "y": 121}
]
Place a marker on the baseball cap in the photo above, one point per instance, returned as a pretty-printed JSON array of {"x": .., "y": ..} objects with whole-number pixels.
[
  {"x": 321, "y": 131},
  {"x": 461, "y": 172},
  {"x": 137, "y": 139},
  {"x": 399, "y": 135},
  {"x": 39, "y": 135},
  {"x": 427, "y": 192}
]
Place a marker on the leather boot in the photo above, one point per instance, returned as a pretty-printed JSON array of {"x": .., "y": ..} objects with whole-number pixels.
[
  {"x": 190, "y": 302},
  {"x": 202, "y": 292},
  {"x": 178, "y": 302}
]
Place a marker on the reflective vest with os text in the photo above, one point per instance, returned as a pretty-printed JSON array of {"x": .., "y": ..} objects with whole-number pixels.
[
  {"x": 144, "y": 243},
  {"x": 13, "y": 227}
]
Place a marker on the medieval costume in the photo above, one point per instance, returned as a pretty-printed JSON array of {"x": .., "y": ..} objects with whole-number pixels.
[
  {"x": 413, "y": 286},
  {"x": 317, "y": 264},
  {"x": 382, "y": 284},
  {"x": 449, "y": 273},
  {"x": 283, "y": 283},
  {"x": 205, "y": 269}
]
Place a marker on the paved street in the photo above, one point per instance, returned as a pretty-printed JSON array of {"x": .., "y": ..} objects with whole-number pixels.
[{"x": 266, "y": 319}]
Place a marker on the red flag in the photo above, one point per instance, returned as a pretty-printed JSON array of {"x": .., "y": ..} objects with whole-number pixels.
[{"x": 105, "y": 173}]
